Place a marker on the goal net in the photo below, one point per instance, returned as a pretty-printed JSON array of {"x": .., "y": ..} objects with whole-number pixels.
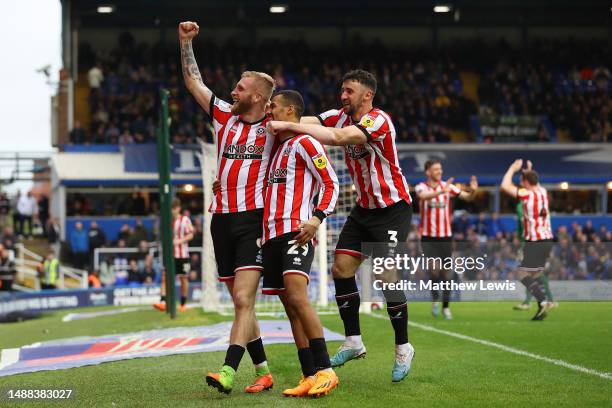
[{"x": 215, "y": 296}]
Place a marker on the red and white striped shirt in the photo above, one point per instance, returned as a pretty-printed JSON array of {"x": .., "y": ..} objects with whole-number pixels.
[
  {"x": 243, "y": 153},
  {"x": 374, "y": 166},
  {"x": 435, "y": 212},
  {"x": 181, "y": 226},
  {"x": 300, "y": 169},
  {"x": 536, "y": 215}
]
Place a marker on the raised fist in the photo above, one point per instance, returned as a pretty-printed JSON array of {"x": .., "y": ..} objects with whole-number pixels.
[{"x": 187, "y": 30}]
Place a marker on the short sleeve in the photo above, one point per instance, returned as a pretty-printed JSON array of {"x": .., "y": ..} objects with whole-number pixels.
[
  {"x": 523, "y": 193},
  {"x": 454, "y": 190},
  {"x": 420, "y": 188},
  {"x": 374, "y": 127},
  {"x": 330, "y": 117},
  {"x": 220, "y": 111}
]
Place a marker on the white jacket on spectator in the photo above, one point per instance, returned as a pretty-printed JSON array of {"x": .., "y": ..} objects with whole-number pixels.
[{"x": 27, "y": 205}]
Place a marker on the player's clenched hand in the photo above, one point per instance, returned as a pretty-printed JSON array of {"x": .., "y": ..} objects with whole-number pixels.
[
  {"x": 187, "y": 30},
  {"x": 529, "y": 165},
  {"x": 517, "y": 165},
  {"x": 307, "y": 231},
  {"x": 277, "y": 126},
  {"x": 216, "y": 187}
]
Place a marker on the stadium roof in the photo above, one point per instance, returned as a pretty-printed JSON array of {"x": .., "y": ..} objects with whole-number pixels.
[{"x": 152, "y": 13}]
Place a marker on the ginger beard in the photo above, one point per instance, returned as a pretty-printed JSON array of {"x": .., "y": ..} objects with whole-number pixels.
[{"x": 241, "y": 106}]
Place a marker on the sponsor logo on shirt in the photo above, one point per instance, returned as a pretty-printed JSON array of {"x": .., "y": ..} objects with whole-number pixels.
[
  {"x": 243, "y": 152},
  {"x": 277, "y": 176}
]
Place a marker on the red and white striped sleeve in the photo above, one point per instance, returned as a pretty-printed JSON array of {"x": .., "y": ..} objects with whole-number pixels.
[
  {"x": 318, "y": 163},
  {"x": 421, "y": 187},
  {"x": 330, "y": 118},
  {"x": 454, "y": 191},
  {"x": 220, "y": 111},
  {"x": 375, "y": 126}
]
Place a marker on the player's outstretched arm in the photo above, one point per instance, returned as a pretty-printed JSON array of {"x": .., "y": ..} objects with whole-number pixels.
[
  {"x": 507, "y": 186},
  {"x": 350, "y": 135},
  {"x": 191, "y": 74},
  {"x": 310, "y": 120}
]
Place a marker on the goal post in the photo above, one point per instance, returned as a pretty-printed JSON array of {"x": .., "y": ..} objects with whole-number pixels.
[{"x": 215, "y": 297}]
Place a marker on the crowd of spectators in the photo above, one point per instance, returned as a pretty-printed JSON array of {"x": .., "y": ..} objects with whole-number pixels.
[
  {"x": 422, "y": 89},
  {"x": 569, "y": 82},
  {"x": 423, "y": 93}
]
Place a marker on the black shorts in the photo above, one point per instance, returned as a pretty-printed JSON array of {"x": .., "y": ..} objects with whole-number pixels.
[
  {"x": 437, "y": 247},
  {"x": 379, "y": 225},
  {"x": 236, "y": 238},
  {"x": 535, "y": 255},
  {"x": 282, "y": 257},
  {"x": 182, "y": 266}
]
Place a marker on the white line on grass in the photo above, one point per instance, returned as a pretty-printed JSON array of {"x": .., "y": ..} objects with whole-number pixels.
[{"x": 513, "y": 350}]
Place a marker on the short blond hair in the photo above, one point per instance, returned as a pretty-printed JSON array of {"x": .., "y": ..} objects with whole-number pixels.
[{"x": 266, "y": 82}]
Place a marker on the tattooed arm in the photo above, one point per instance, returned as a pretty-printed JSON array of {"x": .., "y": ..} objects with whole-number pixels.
[{"x": 191, "y": 74}]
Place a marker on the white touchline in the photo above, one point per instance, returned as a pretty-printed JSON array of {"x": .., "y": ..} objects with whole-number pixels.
[{"x": 513, "y": 350}]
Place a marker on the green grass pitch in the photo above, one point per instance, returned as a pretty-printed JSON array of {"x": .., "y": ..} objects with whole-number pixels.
[{"x": 447, "y": 371}]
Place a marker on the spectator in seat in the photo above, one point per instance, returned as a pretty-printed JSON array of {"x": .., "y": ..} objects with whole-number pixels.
[
  {"x": 79, "y": 243},
  {"x": 134, "y": 275},
  {"x": 7, "y": 270},
  {"x": 139, "y": 233},
  {"x": 149, "y": 271},
  {"x": 143, "y": 251},
  {"x": 77, "y": 134}
]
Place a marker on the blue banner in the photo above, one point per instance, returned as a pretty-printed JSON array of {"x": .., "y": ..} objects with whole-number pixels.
[
  {"x": 50, "y": 300},
  {"x": 591, "y": 165},
  {"x": 142, "y": 158}
]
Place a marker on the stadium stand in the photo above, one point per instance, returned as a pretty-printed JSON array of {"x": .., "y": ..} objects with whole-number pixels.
[{"x": 566, "y": 82}]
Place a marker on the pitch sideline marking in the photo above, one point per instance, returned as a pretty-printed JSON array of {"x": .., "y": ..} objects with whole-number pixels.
[{"x": 575, "y": 367}]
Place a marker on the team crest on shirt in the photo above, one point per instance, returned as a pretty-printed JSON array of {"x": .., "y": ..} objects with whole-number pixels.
[
  {"x": 356, "y": 151},
  {"x": 367, "y": 121},
  {"x": 287, "y": 151},
  {"x": 260, "y": 131},
  {"x": 320, "y": 161}
]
